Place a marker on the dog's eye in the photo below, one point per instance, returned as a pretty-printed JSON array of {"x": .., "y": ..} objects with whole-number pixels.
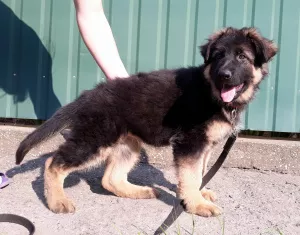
[
  {"x": 241, "y": 56},
  {"x": 219, "y": 55}
]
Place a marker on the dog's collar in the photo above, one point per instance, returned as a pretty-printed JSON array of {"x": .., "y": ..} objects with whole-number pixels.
[{"x": 231, "y": 106}]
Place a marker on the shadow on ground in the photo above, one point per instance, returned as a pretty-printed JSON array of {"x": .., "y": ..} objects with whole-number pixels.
[{"x": 142, "y": 174}]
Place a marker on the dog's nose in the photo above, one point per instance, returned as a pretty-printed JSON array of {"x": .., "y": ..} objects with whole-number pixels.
[{"x": 225, "y": 74}]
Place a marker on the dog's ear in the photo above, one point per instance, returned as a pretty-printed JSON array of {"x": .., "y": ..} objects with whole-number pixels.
[
  {"x": 265, "y": 49},
  {"x": 205, "y": 49}
]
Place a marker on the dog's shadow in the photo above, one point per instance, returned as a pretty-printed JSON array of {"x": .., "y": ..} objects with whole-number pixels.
[{"x": 143, "y": 174}]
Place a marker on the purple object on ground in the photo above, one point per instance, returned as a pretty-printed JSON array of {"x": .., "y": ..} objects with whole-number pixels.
[{"x": 3, "y": 180}]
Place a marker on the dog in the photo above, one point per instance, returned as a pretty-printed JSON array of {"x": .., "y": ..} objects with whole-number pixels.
[{"x": 192, "y": 109}]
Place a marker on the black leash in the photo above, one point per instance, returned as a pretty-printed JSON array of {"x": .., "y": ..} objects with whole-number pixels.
[
  {"x": 178, "y": 208},
  {"x": 16, "y": 219}
]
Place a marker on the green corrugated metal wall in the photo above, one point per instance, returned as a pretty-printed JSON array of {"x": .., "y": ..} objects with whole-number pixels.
[{"x": 45, "y": 64}]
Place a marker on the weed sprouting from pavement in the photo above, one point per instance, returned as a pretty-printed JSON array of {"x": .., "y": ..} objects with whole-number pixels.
[
  {"x": 222, "y": 223},
  {"x": 270, "y": 231}
]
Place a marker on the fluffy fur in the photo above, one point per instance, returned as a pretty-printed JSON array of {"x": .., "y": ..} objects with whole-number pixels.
[{"x": 182, "y": 107}]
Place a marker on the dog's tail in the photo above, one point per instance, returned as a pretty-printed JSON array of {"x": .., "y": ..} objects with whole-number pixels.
[{"x": 59, "y": 121}]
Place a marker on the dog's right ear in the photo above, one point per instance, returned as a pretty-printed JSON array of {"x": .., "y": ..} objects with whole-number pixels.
[{"x": 205, "y": 49}]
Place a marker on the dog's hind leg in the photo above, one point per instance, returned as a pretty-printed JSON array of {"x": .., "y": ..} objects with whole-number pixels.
[
  {"x": 69, "y": 157},
  {"x": 54, "y": 177},
  {"x": 123, "y": 157}
]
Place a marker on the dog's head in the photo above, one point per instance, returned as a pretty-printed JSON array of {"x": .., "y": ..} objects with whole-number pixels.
[{"x": 236, "y": 62}]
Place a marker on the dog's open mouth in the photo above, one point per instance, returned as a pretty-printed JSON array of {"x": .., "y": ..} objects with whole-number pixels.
[{"x": 229, "y": 92}]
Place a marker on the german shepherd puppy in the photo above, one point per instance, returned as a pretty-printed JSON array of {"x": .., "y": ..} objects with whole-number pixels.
[{"x": 192, "y": 109}]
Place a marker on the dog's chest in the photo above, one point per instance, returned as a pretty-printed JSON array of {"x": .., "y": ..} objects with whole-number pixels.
[{"x": 217, "y": 130}]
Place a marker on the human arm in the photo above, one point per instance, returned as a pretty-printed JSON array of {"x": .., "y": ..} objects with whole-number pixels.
[{"x": 97, "y": 35}]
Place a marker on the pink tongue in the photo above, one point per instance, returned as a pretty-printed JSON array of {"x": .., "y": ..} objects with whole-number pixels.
[{"x": 228, "y": 95}]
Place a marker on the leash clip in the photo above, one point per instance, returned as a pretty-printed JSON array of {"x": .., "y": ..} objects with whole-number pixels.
[{"x": 233, "y": 116}]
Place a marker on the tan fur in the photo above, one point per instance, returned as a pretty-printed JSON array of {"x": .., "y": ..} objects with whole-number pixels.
[
  {"x": 209, "y": 194},
  {"x": 123, "y": 158},
  {"x": 53, "y": 189},
  {"x": 206, "y": 193},
  {"x": 189, "y": 173},
  {"x": 54, "y": 180},
  {"x": 120, "y": 159},
  {"x": 257, "y": 75},
  {"x": 218, "y": 130},
  {"x": 208, "y": 78},
  {"x": 207, "y": 72},
  {"x": 206, "y": 158},
  {"x": 247, "y": 94}
]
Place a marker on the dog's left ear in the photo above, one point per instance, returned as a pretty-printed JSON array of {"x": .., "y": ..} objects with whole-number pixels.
[{"x": 265, "y": 48}]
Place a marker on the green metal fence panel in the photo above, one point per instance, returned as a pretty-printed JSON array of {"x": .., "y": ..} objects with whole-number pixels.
[{"x": 44, "y": 63}]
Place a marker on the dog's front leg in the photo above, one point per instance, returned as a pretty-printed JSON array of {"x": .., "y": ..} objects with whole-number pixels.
[
  {"x": 189, "y": 172},
  {"x": 207, "y": 193}
]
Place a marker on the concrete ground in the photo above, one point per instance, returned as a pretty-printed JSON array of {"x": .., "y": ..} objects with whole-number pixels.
[{"x": 259, "y": 195}]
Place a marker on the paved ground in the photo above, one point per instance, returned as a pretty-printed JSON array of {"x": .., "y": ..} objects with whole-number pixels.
[{"x": 254, "y": 202}]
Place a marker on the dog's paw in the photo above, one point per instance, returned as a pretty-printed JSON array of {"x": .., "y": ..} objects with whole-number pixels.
[
  {"x": 208, "y": 210},
  {"x": 209, "y": 195},
  {"x": 204, "y": 208},
  {"x": 63, "y": 205}
]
